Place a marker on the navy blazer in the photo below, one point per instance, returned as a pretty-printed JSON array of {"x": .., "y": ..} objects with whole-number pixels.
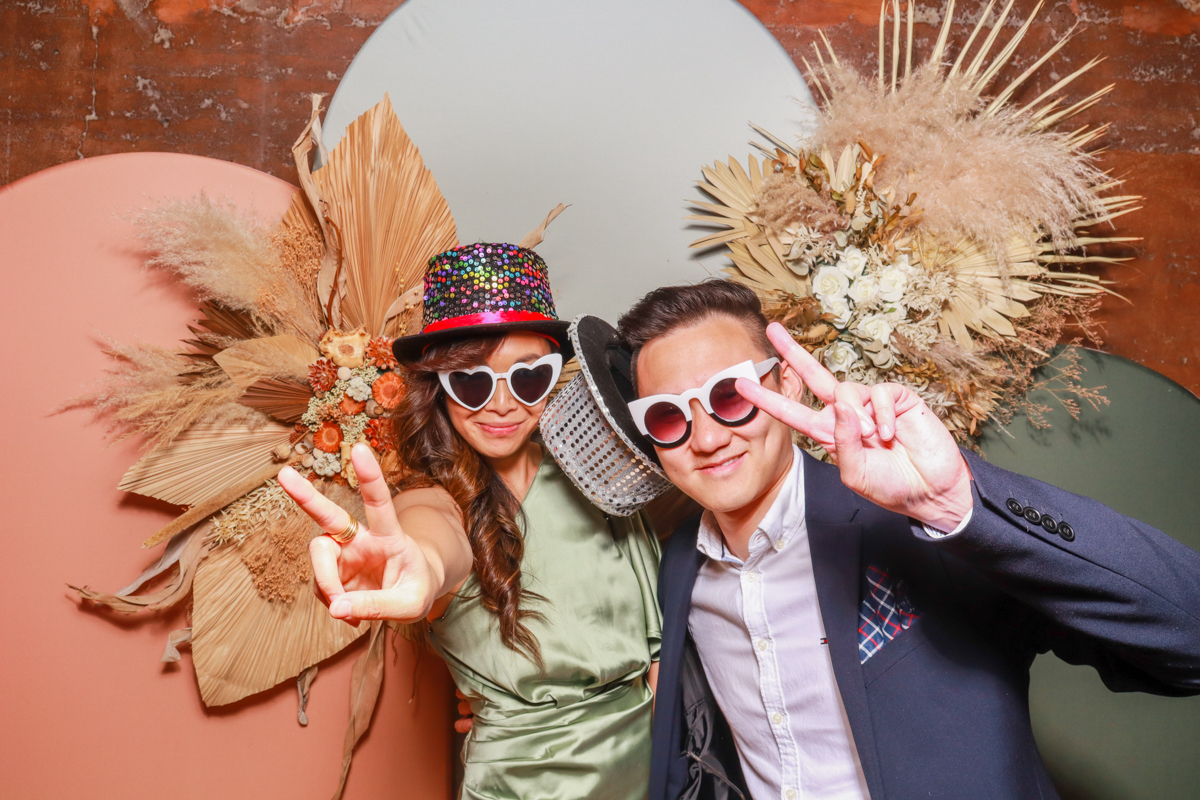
[{"x": 941, "y": 710}]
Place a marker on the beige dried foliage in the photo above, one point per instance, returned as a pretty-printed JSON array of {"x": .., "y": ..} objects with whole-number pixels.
[
  {"x": 218, "y": 250},
  {"x": 784, "y": 202},
  {"x": 975, "y": 175},
  {"x": 143, "y": 394},
  {"x": 228, "y": 256},
  {"x": 277, "y": 555},
  {"x": 300, "y": 251},
  {"x": 253, "y": 512}
]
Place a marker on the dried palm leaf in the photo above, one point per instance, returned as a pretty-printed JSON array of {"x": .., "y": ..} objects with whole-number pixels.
[
  {"x": 283, "y": 400},
  {"x": 366, "y": 679},
  {"x": 204, "y": 461},
  {"x": 243, "y": 643},
  {"x": 226, "y": 321},
  {"x": 185, "y": 553},
  {"x": 387, "y": 215},
  {"x": 269, "y": 357}
]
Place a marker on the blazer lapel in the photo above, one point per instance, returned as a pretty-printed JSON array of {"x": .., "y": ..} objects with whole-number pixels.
[
  {"x": 681, "y": 565},
  {"x": 836, "y": 544},
  {"x": 677, "y": 575}
]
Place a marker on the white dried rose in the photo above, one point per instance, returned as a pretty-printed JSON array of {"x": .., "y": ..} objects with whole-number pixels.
[
  {"x": 865, "y": 289},
  {"x": 327, "y": 464},
  {"x": 892, "y": 284},
  {"x": 895, "y": 313},
  {"x": 901, "y": 263},
  {"x": 359, "y": 389},
  {"x": 852, "y": 262},
  {"x": 874, "y": 326},
  {"x": 839, "y": 308},
  {"x": 830, "y": 282},
  {"x": 841, "y": 357}
]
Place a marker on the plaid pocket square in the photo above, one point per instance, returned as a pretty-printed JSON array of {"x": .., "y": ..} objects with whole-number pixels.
[{"x": 884, "y": 613}]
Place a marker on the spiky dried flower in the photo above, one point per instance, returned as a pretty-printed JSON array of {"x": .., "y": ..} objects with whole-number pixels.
[
  {"x": 322, "y": 375},
  {"x": 379, "y": 353}
]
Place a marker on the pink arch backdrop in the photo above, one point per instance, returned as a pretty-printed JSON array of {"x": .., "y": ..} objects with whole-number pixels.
[{"x": 88, "y": 710}]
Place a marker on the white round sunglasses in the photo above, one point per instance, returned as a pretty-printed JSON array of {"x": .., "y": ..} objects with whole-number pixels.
[
  {"x": 530, "y": 383},
  {"x": 667, "y": 418}
]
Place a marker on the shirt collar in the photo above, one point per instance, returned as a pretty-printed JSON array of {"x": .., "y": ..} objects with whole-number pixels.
[{"x": 779, "y": 524}]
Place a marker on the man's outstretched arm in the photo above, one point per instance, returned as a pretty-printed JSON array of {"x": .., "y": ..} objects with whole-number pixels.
[{"x": 1120, "y": 595}]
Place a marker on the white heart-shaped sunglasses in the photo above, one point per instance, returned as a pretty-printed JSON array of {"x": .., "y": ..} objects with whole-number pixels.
[{"x": 530, "y": 383}]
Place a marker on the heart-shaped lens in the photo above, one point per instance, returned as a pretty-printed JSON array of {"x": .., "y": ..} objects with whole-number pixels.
[
  {"x": 530, "y": 385},
  {"x": 472, "y": 389}
]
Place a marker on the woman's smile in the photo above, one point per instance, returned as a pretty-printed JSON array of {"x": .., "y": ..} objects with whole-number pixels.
[{"x": 499, "y": 430}]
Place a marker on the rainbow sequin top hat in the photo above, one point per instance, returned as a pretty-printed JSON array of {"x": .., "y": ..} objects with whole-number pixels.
[{"x": 482, "y": 289}]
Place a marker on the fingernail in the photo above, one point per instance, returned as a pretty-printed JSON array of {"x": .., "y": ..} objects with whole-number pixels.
[
  {"x": 340, "y": 608},
  {"x": 885, "y": 432}
]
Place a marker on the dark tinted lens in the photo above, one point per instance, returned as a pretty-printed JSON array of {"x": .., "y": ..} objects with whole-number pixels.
[
  {"x": 666, "y": 423},
  {"x": 530, "y": 384},
  {"x": 727, "y": 404},
  {"x": 471, "y": 388}
]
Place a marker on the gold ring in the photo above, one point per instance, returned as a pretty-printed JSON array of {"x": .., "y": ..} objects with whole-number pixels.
[{"x": 346, "y": 534}]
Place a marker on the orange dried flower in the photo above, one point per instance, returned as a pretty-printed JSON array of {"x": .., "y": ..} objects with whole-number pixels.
[
  {"x": 379, "y": 353},
  {"x": 349, "y": 406},
  {"x": 387, "y": 390},
  {"x": 381, "y": 435},
  {"x": 322, "y": 375},
  {"x": 328, "y": 437}
]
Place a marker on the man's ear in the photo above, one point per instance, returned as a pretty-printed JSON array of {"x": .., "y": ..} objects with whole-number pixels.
[{"x": 790, "y": 385}]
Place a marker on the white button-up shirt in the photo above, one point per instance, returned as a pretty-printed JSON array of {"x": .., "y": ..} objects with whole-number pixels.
[{"x": 758, "y": 628}]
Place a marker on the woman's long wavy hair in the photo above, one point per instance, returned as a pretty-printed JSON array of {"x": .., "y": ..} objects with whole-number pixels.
[{"x": 435, "y": 454}]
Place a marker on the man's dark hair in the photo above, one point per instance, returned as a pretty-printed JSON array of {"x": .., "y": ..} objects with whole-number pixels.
[{"x": 670, "y": 307}]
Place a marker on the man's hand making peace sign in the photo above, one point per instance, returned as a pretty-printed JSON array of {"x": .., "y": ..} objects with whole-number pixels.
[{"x": 889, "y": 446}]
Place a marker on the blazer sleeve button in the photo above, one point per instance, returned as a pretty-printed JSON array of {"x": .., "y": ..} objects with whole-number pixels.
[
  {"x": 1049, "y": 524},
  {"x": 1066, "y": 532},
  {"x": 1014, "y": 506},
  {"x": 1032, "y": 515}
]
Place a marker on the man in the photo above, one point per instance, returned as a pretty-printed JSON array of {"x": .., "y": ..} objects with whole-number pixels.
[{"x": 866, "y": 630}]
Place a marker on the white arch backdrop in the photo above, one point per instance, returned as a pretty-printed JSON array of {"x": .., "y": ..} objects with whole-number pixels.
[{"x": 610, "y": 106}]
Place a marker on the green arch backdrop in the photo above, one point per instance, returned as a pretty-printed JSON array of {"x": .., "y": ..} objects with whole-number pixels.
[{"x": 1140, "y": 455}]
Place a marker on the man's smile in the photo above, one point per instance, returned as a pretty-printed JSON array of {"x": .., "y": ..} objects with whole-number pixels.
[{"x": 724, "y": 467}]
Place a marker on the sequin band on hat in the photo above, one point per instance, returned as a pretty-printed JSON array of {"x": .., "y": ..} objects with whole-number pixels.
[
  {"x": 486, "y": 318},
  {"x": 486, "y": 278}
]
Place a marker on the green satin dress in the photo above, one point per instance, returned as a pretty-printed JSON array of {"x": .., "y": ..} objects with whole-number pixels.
[{"x": 581, "y": 728}]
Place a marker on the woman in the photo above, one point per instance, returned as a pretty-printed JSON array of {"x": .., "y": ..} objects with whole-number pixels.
[{"x": 543, "y": 608}]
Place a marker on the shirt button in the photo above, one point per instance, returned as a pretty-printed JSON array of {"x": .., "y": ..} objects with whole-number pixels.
[
  {"x": 777, "y": 718},
  {"x": 751, "y": 577},
  {"x": 779, "y": 546},
  {"x": 762, "y": 644},
  {"x": 790, "y": 794}
]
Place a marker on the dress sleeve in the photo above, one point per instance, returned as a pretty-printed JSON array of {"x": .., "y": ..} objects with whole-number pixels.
[{"x": 641, "y": 546}]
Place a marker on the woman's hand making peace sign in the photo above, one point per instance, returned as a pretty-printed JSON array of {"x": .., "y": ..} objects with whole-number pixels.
[
  {"x": 382, "y": 573},
  {"x": 890, "y": 447}
]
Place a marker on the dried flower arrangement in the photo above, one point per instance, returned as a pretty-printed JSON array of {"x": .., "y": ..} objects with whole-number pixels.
[
  {"x": 291, "y": 364},
  {"x": 927, "y": 233}
]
